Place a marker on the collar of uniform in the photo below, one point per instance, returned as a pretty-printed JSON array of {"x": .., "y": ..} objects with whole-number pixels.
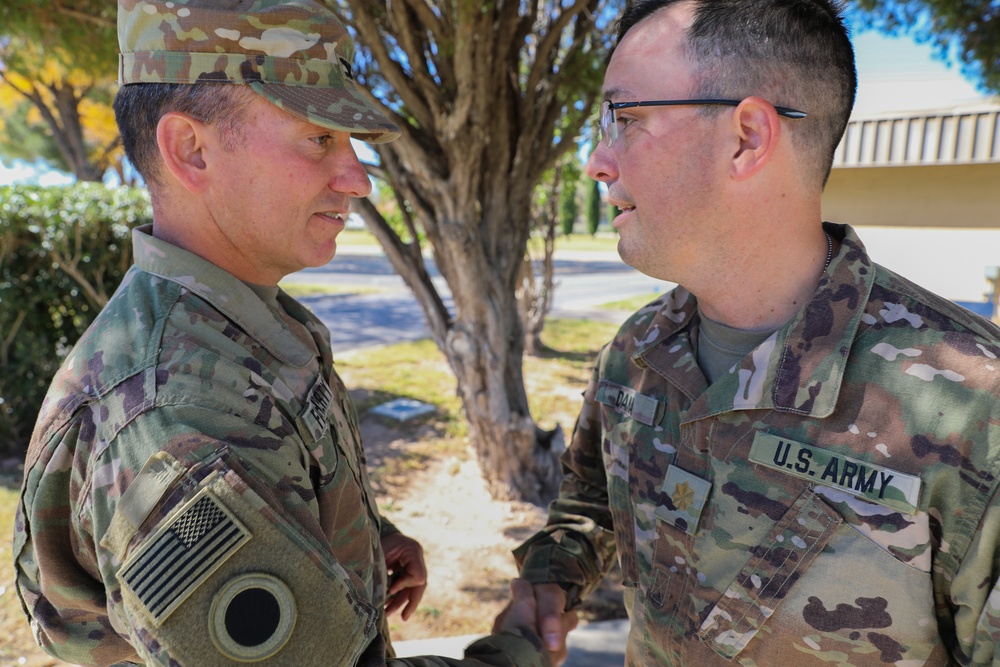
[
  {"x": 802, "y": 363},
  {"x": 813, "y": 348},
  {"x": 223, "y": 290}
]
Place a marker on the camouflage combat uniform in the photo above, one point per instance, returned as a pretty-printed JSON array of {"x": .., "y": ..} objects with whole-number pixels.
[
  {"x": 195, "y": 490},
  {"x": 829, "y": 501}
]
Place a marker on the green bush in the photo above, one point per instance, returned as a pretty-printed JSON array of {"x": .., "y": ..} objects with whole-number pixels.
[
  {"x": 593, "y": 207},
  {"x": 568, "y": 207},
  {"x": 63, "y": 252}
]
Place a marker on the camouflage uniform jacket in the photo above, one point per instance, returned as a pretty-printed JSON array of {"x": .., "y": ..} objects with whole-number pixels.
[
  {"x": 193, "y": 495},
  {"x": 831, "y": 500}
]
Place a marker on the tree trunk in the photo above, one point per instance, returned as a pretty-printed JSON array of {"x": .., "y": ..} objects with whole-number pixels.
[
  {"x": 63, "y": 121},
  {"x": 535, "y": 292},
  {"x": 484, "y": 345},
  {"x": 519, "y": 461},
  {"x": 480, "y": 92}
]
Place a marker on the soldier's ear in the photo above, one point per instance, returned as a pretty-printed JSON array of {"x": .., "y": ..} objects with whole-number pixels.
[
  {"x": 181, "y": 140},
  {"x": 757, "y": 129}
]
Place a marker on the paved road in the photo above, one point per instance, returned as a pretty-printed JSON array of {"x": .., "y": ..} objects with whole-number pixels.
[{"x": 583, "y": 282}]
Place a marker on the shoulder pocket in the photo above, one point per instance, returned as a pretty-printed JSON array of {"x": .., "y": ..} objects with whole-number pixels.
[{"x": 226, "y": 578}]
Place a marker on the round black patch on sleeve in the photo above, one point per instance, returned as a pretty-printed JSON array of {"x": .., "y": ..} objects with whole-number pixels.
[{"x": 252, "y": 617}]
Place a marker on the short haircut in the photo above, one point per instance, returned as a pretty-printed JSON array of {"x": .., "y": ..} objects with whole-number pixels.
[
  {"x": 794, "y": 53},
  {"x": 140, "y": 106}
]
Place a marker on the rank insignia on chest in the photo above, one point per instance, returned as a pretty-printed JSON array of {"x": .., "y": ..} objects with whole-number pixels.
[
  {"x": 685, "y": 495},
  {"x": 629, "y": 402},
  {"x": 816, "y": 464},
  {"x": 314, "y": 415}
]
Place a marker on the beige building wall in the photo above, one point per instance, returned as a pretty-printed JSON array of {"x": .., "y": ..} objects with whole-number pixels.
[{"x": 963, "y": 196}]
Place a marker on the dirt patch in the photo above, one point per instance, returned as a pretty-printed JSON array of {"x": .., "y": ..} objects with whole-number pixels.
[{"x": 442, "y": 502}]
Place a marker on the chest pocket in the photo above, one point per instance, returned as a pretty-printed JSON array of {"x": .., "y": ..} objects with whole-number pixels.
[
  {"x": 820, "y": 585},
  {"x": 783, "y": 556}
]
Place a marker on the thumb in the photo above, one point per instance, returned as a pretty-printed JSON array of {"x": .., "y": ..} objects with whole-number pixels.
[
  {"x": 522, "y": 600},
  {"x": 520, "y": 612}
]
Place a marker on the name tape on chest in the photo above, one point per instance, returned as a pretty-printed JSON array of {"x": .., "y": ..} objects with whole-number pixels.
[
  {"x": 314, "y": 415},
  {"x": 866, "y": 480},
  {"x": 629, "y": 402}
]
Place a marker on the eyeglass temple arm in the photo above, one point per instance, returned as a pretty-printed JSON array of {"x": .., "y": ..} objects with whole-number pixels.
[{"x": 787, "y": 112}]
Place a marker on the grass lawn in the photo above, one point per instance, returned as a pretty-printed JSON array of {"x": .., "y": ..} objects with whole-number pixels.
[
  {"x": 554, "y": 383},
  {"x": 14, "y": 631},
  {"x": 356, "y": 237},
  {"x": 300, "y": 289},
  {"x": 632, "y": 303}
]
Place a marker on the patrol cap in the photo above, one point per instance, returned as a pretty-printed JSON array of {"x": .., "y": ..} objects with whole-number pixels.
[{"x": 295, "y": 53}]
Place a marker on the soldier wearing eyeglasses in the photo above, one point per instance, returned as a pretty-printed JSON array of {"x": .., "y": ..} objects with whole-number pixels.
[{"x": 793, "y": 455}]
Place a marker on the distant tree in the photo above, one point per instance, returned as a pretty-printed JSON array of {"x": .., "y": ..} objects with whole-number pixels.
[
  {"x": 57, "y": 78},
  {"x": 569, "y": 209},
  {"x": 592, "y": 207},
  {"x": 488, "y": 96},
  {"x": 966, "y": 29},
  {"x": 613, "y": 211}
]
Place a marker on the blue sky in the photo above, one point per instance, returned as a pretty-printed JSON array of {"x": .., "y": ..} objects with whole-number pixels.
[
  {"x": 894, "y": 74},
  {"x": 897, "y": 74}
]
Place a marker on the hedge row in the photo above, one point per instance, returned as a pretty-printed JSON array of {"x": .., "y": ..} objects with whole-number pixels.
[{"x": 63, "y": 252}]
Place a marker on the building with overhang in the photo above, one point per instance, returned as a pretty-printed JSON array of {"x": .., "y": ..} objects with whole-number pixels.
[
  {"x": 936, "y": 174},
  {"x": 919, "y": 169}
]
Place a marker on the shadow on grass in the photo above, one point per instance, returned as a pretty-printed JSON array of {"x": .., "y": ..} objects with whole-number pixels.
[
  {"x": 496, "y": 593},
  {"x": 567, "y": 355},
  {"x": 607, "y": 602}
]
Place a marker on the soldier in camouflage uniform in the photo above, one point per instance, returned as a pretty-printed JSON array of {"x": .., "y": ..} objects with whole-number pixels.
[
  {"x": 794, "y": 454},
  {"x": 195, "y": 490}
]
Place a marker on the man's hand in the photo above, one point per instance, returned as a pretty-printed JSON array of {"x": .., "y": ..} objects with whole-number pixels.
[
  {"x": 542, "y": 608},
  {"x": 404, "y": 563}
]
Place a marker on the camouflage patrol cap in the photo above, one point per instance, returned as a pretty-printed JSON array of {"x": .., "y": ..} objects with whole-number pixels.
[{"x": 295, "y": 53}]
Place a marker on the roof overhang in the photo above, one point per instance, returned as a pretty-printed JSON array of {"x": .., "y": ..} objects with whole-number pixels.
[{"x": 960, "y": 135}]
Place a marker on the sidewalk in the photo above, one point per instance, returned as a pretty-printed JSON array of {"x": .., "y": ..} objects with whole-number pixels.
[{"x": 600, "y": 644}]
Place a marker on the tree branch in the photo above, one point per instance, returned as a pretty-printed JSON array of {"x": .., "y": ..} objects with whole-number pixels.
[
  {"x": 544, "y": 56},
  {"x": 83, "y": 16},
  {"x": 443, "y": 36},
  {"x": 412, "y": 269},
  {"x": 388, "y": 67},
  {"x": 413, "y": 42},
  {"x": 8, "y": 340}
]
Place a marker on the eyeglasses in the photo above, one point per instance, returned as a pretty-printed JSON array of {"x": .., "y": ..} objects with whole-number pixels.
[{"x": 609, "y": 122}]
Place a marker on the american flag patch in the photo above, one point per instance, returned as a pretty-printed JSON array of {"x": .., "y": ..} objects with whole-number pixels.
[{"x": 182, "y": 555}]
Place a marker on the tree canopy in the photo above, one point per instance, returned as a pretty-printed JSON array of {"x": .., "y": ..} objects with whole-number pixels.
[{"x": 58, "y": 60}]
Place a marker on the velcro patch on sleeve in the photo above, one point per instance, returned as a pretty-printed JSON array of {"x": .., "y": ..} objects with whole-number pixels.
[{"x": 182, "y": 554}]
